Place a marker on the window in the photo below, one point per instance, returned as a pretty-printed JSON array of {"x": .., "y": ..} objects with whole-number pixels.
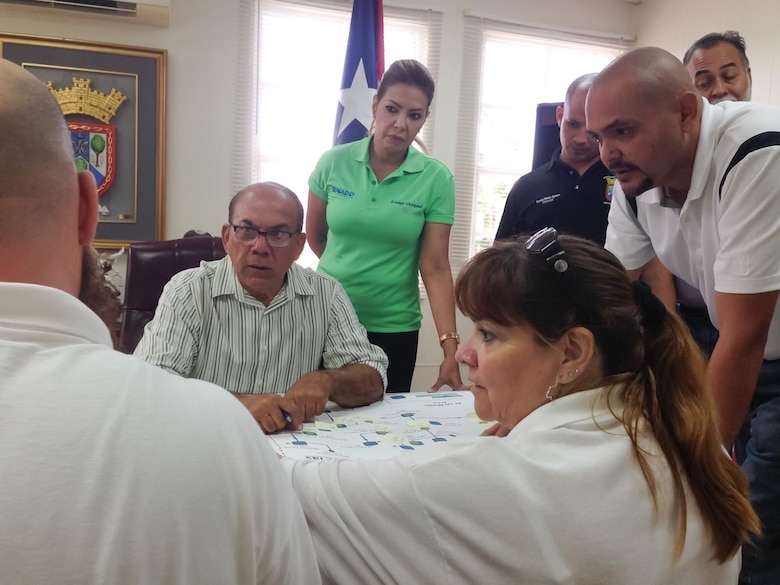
[
  {"x": 512, "y": 72},
  {"x": 300, "y": 57}
]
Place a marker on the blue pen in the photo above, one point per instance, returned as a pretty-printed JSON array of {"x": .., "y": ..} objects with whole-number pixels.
[{"x": 287, "y": 415}]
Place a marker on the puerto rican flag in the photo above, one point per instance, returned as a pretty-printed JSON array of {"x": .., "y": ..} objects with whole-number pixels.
[{"x": 364, "y": 66}]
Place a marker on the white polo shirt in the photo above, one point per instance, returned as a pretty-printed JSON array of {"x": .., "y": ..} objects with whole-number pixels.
[
  {"x": 727, "y": 242},
  {"x": 114, "y": 471}
]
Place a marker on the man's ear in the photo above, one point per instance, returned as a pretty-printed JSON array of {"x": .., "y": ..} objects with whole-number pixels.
[
  {"x": 559, "y": 115},
  {"x": 225, "y": 235},
  {"x": 299, "y": 241},
  {"x": 690, "y": 102},
  {"x": 88, "y": 208}
]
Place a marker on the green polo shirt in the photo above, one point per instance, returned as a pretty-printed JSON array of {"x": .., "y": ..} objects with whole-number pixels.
[{"x": 374, "y": 230}]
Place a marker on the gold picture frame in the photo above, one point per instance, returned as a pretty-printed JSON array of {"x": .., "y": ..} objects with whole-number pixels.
[{"x": 114, "y": 98}]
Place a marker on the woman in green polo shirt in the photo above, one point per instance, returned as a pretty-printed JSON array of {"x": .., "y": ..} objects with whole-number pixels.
[{"x": 380, "y": 210}]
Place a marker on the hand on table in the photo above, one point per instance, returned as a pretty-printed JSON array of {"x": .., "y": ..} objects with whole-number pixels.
[
  {"x": 449, "y": 374},
  {"x": 310, "y": 394},
  {"x": 497, "y": 430},
  {"x": 271, "y": 411}
]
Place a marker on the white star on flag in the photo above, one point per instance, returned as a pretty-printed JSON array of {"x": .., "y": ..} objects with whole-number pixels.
[{"x": 356, "y": 100}]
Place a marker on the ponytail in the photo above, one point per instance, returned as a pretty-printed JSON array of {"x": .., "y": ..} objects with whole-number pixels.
[{"x": 670, "y": 392}]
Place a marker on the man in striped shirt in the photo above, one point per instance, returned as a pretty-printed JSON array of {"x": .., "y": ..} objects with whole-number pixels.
[{"x": 282, "y": 338}]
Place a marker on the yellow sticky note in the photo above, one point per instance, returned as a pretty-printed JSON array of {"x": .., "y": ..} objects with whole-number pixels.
[{"x": 381, "y": 429}]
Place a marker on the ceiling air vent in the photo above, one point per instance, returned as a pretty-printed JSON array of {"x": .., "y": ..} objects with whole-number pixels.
[
  {"x": 154, "y": 12},
  {"x": 96, "y": 6}
]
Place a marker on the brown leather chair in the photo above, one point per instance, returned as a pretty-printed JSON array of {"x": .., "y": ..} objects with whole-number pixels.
[{"x": 150, "y": 265}]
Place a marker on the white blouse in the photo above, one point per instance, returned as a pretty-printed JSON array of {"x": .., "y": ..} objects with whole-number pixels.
[{"x": 560, "y": 500}]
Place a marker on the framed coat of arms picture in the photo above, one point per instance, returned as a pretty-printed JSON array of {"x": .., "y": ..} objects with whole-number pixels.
[{"x": 114, "y": 101}]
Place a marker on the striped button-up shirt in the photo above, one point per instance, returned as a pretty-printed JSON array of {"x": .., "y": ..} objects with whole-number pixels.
[{"x": 208, "y": 327}]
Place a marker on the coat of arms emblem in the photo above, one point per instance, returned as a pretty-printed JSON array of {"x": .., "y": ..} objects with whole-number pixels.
[{"x": 94, "y": 144}]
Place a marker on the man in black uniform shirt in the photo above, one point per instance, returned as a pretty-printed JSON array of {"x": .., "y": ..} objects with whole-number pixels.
[{"x": 573, "y": 190}]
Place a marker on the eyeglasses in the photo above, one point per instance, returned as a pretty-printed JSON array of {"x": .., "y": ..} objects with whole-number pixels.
[
  {"x": 545, "y": 243},
  {"x": 248, "y": 234}
]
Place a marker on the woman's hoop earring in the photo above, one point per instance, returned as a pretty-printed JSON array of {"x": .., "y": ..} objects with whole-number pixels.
[{"x": 549, "y": 393}]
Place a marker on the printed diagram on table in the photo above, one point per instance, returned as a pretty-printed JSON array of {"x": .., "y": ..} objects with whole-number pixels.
[{"x": 400, "y": 423}]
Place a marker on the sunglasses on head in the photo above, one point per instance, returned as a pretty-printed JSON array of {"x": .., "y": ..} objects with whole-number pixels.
[{"x": 545, "y": 243}]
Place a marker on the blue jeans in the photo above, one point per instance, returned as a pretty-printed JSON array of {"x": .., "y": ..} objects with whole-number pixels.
[{"x": 758, "y": 452}]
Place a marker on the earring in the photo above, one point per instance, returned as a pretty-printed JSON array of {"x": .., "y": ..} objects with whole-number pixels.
[
  {"x": 576, "y": 371},
  {"x": 550, "y": 388}
]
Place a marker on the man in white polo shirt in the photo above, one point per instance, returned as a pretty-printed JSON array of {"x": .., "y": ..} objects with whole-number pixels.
[
  {"x": 706, "y": 182},
  {"x": 112, "y": 470}
]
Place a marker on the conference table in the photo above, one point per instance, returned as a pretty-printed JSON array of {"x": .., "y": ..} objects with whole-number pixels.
[{"x": 400, "y": 423}]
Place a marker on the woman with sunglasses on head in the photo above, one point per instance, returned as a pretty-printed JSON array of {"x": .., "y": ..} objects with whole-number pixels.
[
  {"x": 380, "y": 210},
  {"x": 612, "y": 471}
]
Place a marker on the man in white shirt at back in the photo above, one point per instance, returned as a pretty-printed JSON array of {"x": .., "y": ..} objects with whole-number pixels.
[{"x": 704, "y": 179}]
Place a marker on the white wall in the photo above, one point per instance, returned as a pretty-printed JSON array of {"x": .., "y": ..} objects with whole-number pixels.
[
  {"x": 674, "y": 25},
  {"x": 202, "y": 53}
]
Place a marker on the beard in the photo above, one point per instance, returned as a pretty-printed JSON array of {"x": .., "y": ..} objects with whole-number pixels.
[
  {"x": 97, "y": 293},
  {"x": 645, "y": 185}
]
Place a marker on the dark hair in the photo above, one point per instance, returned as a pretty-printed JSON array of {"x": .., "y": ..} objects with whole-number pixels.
[
  {"x": 98, "y": 293},
  {"x": 410, "y": 72},
  {"x": 658, "y": 368},
  {"x": 277, "y": 186},
  {"x": 506, "y": 286},
  {"x": 196, "y": 234},
  {"x": 711, "y": 40}
]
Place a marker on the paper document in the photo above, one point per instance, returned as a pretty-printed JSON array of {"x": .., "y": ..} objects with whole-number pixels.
[{"x": 400, "y": 423}]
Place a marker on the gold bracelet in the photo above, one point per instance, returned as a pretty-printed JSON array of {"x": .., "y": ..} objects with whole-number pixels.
[{"x": 451, "y": 335}]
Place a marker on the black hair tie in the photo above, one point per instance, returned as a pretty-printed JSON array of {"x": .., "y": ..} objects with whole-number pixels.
[{"x": 652, "y": 309}]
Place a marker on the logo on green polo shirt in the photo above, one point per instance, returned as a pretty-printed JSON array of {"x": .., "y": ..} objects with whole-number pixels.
[{"x": 340, "y": 191}]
